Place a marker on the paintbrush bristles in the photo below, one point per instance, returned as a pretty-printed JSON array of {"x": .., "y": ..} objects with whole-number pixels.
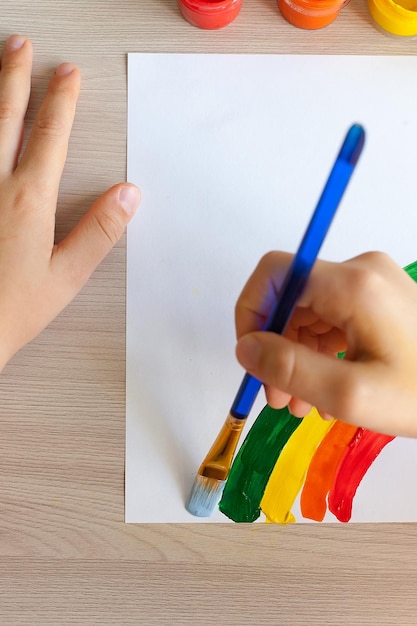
[
  {"x": 214, "y": 470},
  {"x": 205, "y": 495}
]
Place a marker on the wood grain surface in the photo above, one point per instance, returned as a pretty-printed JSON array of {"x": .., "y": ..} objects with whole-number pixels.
[{"x": 66, "y": 557}]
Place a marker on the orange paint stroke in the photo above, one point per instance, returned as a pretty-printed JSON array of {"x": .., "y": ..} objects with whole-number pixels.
[
  {"x": 322, "y": 471},
  {"x": 357, "y": 459}
]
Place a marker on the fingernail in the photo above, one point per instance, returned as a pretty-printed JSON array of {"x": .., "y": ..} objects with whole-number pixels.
[
  {"x": 64, "y": 69},
  {"x": 129, "y": 197},
  {"x": 14, "y": 42},
  {"x": 248, "y": 351}
]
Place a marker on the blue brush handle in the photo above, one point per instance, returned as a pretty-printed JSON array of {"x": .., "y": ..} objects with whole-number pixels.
[{"x": 306, "y": 256}]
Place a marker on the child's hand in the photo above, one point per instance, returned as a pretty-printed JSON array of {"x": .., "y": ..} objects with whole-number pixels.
[
  {"x": 367, "y": 306},
  {"x": 37, "y": 278}
]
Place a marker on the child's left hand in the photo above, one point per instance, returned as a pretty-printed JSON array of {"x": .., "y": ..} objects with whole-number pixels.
[{"x": 37, "y": 277}]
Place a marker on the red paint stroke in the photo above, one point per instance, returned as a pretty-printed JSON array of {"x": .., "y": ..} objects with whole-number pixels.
[
  {"x": 357, "y": 459},
  {"x": 322, "y": 470}
]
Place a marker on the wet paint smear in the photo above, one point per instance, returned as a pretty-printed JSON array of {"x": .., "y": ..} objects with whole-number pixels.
[
  {"x": 290, "y": 470},
  {"x": 359, "y": 456},
  {"x": 254, "y": 463},
  {"x": 322, "y": 471}
]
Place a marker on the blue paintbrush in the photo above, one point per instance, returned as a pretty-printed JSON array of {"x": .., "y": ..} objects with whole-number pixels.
[{"x": 214, "y": 470}]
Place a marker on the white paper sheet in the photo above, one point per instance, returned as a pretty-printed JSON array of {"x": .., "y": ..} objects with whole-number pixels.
[{"x": 231, "y": 153}]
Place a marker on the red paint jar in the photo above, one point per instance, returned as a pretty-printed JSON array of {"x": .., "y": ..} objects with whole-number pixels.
[
  {"x": 210, "y": 14},
  {"x": 311, "y": 14}
]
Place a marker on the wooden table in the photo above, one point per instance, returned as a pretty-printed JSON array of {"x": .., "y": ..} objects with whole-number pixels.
[{"x": 66, "y": 555}]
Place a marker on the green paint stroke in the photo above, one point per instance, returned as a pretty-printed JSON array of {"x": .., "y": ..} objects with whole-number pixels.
[
  {"x": 412, "y": 270},
  {"x": 254, "y": 463}
]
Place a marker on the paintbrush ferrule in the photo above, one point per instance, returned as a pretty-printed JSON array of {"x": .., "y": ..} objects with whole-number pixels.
[{"x": 214, "y": 470}]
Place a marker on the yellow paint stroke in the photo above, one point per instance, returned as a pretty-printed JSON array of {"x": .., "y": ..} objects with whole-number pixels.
[
  {"x": 290, "y": 470},
  {"x": 290, "y": 519}
]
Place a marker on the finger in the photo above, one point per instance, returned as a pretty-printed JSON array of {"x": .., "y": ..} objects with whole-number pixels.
[
  {"x": 332, "y": 342},
  {"x": 16, "y": 67},
  {"x": 298, "y": 407},
  {"x": 332, "y": 384},
  {"x": 44, "y": 158},
  {"x": 259, "y": 295},
  {"x": 76, "y": 257},
  {"x": 276, "y": 398},
  {"x": 335, "y": 292}
]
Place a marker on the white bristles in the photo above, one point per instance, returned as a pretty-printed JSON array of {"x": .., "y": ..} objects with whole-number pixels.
[{"x": 205, "y": 495}]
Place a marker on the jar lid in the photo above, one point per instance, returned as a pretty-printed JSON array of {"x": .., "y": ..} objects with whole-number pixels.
[
  {"x": 210, "y": 14},
  {"x": 398, "y": 19}
]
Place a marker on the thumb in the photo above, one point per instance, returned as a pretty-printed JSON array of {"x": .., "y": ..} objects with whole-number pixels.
[
  {"x": 96, "y": 233},
  {"x": 328, "y": 383}
]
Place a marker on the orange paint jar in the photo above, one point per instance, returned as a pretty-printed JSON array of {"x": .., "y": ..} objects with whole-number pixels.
[
  {"x": 210, "y": 14},
  {"x": 311, "y": 14}
]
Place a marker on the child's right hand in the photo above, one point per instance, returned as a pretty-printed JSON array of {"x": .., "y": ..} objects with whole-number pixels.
[{"x": 366, "y": 306}]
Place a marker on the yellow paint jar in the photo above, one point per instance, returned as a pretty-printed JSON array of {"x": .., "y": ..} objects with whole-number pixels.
[{"x": 398, "y": 18}]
